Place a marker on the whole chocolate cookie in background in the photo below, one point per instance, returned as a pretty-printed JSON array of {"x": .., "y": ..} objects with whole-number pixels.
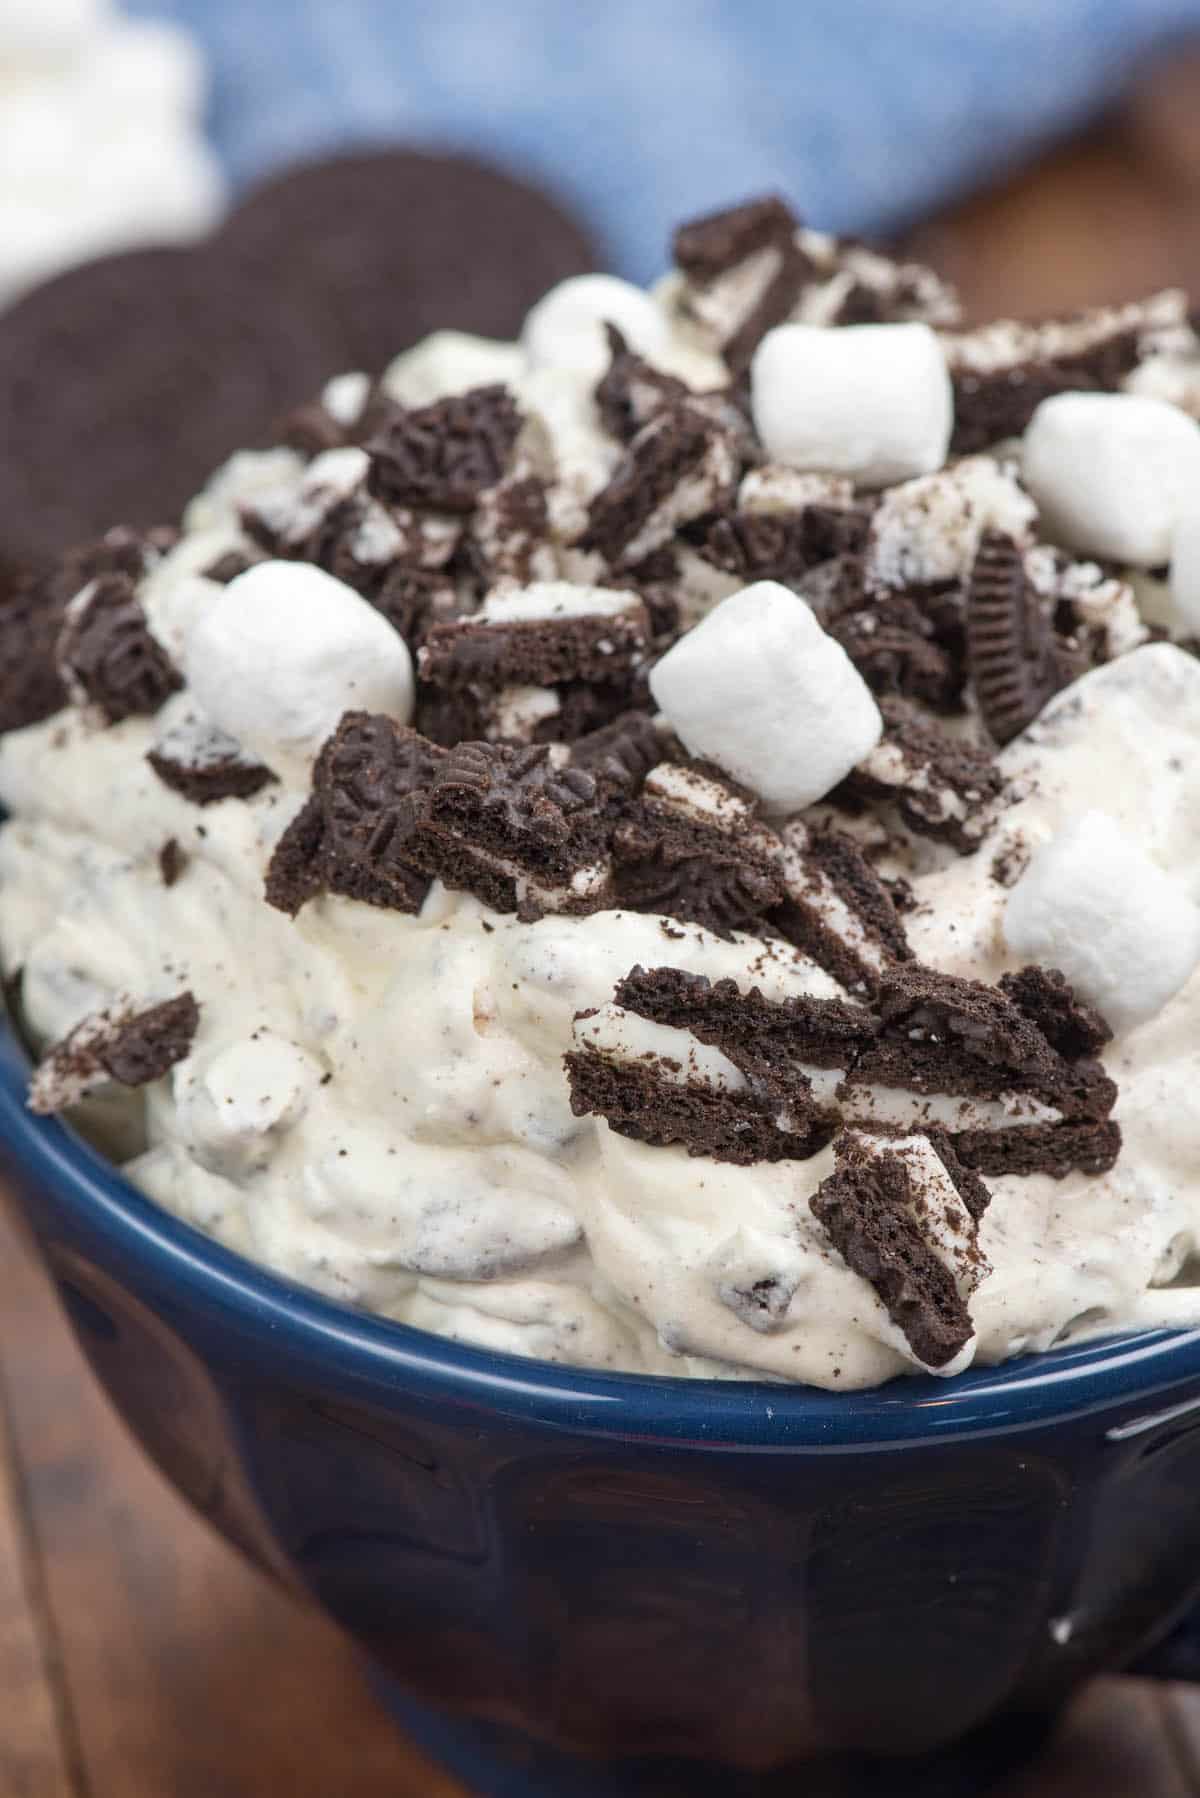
[
  {"x": 126, "y": 381},
  {"x": 399, "y": 243}
]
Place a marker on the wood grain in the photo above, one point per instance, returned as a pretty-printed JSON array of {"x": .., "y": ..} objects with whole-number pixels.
[
  {"x": 186, "y": 1673},
  {"x": 34, "y": 1762}
]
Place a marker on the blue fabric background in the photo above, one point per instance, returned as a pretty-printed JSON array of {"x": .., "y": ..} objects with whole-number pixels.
[{"x": 643, "y": 111}]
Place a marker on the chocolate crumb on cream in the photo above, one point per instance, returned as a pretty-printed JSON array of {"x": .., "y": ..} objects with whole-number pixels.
[{"x": 122, "y": 1044}]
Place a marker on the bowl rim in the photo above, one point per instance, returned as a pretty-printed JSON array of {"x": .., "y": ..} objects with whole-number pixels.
[{"x": 180, "y": 1264}]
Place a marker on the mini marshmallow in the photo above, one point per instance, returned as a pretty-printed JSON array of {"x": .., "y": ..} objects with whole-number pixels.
[
  {"x": 1092, "y": 904},
  {"x": 1112, "y": 473},
  {"x": 760, "y": 689},
  {"x": 280, "y": 653},
  {"x": 345, "y": 396},
  {"x": 449, "y": 362},
  {"x": 1184, "y": 615},
  {"x": 566, "y": 328},
  {"x": 870, "y": 401}
]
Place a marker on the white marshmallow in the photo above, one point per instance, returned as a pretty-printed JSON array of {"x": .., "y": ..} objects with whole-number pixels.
[
  {"x": 1184, "y": 615},
  {"x": 448, "y": 362},
  {"x": 344, "y": 397},
  {"x": 760, "y": 689},
  {"x": 1092, "y": 904},
  {"x": 870, "y": 401},
  {"x": 566, "y": 327},
  {"x": 280, "y": 653},
  {"x": 1112, "y": 473}
]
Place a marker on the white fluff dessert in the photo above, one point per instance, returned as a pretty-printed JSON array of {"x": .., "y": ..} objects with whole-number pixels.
[{"x": 668, "y": 845}]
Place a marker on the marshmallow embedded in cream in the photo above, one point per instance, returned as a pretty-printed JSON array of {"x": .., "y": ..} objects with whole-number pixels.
[
  {"x": 1112, "y": 473},
  {"x": 450, "y": 362},
  {"x": 566, "y": 327},
  {"x": 1185, "y": 575},
  {"x": 1092, "y": 904},
  {"x": 870, "y": 401},
  {"x": 759, "y": 688},
  {"x": 276, "y": 656}
]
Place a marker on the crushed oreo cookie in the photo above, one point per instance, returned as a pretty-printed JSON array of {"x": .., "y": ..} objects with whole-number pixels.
[
  {"x": 746, "y": 271},
  {"x": 447, "y": 454},
  {"x": 685, "y": 851},
  {"x": 121, "y": 1044},
  {"x": 903, "y": 644},
  {"x": 1013, "y": 658},
  {"x": 529, "y": 642},
  {"x": 943, "y": 787},
  {"x": 1003, "y": 371},
  {"x": 343, "y": 840},
  {"x": 784, "y": 545},
  {"x": 515, "y": 827},
  {"x": 632, "y": 391},
  {"x": 1047, "y": 998},
  {"x": 202, "y": 763},
  {"x": 107, "y": 655},
  {"x": 894, "y": 1213},
  {"x": 680, "y": 467},
  {"x": 930, "y": 1053}
]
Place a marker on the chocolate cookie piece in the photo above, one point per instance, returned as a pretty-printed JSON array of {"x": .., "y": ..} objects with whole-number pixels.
[
  {"x": 893, "y": 1213},
  {"x": 942, "y": 786},
  {"x": 126, "y": 381},
  {"x": 943, "y": 1034},
  {"x": 632, "y": 391},
  {"x": 835, "y": 906},
  {"x": 893, "y": 642},
  {"x": 227, "y": 567},
  {"x": 1012, "y": 657},
  {"x": 519, "y": 642},
  {"x": 507, "y": 541},
  {"x": 745, "y": 271},
  {"x": 123, "y": 1044},
  {"x": 1048, "y": 999},
  {"x": 621, "y": 754},
  {"x": 680, "y": 467},
  {"x": 522, "y": 831},
  {"x": 345, "y": 839},
  {"x": 415, "y": 599},
  {"x": 202, "y": 763},
  {"x": 1003, "y": 371},
  {"x": 446, "y": 454},
  {"x": 783, "y": 546},
  {"x": 688, "y": 849},
  {"x": 107, "y": 655},
  {"x": 32, "y": 608},
  {"x": 643, "y": 1098},
  {"x": 949, "y": 1059},
  {"x": 396, "y": 243}
]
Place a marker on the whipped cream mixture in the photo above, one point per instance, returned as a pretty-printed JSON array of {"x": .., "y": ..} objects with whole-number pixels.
[{"x": 446, "y": 1060}]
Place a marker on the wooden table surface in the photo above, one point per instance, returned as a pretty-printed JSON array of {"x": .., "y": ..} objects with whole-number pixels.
[{"x": 139, "y": 1657}]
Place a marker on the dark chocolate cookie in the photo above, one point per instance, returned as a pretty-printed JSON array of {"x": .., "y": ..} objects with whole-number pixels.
[
  {"x": 398, "y": 243},
  {"x": 123, "y": 383}
]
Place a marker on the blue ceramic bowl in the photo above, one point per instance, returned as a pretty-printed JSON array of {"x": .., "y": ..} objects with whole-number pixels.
[{"x": 619, "y": 1564}]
